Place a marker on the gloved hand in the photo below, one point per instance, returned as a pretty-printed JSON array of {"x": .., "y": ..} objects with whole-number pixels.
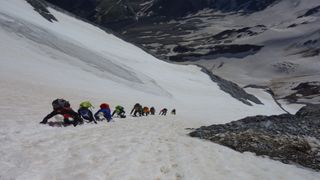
[{"x": 43, "y": 122}]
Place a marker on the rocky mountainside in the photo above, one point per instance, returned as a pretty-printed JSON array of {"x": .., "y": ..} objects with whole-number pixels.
[
  {"x": 114, "y": 12},
  {"x": 272, "y": 43},
  {"x": 289, "y": 138}
]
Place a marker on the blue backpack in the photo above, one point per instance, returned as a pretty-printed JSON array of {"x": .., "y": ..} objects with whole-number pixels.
[{"x": 85, "y": 113}]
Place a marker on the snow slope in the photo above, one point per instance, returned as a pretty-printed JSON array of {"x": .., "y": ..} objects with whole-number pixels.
[{"x": 69, "y": 58}]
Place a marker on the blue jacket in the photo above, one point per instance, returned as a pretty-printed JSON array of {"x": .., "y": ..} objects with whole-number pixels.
[{"x": 106, "y": 114}]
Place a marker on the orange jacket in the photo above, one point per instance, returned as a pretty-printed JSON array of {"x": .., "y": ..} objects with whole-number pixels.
[{"x": 145, "y": 109}]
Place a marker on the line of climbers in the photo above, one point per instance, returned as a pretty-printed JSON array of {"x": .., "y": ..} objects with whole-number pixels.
[
  {"x": 62, "y": 107},
  {"x": 138, "y": 110}
]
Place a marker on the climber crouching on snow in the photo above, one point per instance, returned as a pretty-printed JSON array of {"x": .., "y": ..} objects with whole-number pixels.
[
  {"x": 62, "y": 107},
  {"x": 85, "y": 112},
  {"x": 152, "y": 110},
  {"x": 145, "y": 111},
  {"x": 173, "y": 112},
  {"x": 163, "y": 112},
  {"x": 119, "y": 111},
  {"x": 137, "y": 109},
  {"x": 104, "y": 113}
]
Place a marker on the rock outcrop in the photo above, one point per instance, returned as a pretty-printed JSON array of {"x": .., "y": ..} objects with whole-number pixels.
[
  {"x": 292, "y": 139},
  {"x": 232, "y": 88},
  {"x": 305, "y": 91},
  {"x": 41, "y": 7}
]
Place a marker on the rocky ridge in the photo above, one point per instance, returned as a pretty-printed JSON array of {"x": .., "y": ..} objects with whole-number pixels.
[
  {"x": 41, "y": 7},
  {"x": 292, "y": 139}
]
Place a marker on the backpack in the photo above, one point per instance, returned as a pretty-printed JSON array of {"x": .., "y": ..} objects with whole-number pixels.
[
  {"x": 145, "y": 109},
  {"x": 84, "y": 113},
  {"x": 60, "y": 104},
  {"x": 119, "y": 108},
  {"x": 86, "y": 104}
]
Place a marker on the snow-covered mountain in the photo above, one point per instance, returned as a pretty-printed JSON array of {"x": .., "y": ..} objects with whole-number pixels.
[
  {"x": 271, "y": 43},
  {"x": 51, "y": 54}
]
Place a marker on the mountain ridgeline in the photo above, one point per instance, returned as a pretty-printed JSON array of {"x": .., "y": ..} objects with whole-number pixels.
[
  {"x": 113, "y": 13},
  {"x": 179, "y": 8}
]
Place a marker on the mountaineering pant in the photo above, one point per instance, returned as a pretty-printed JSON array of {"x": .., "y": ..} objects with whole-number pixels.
[
  {"x": 163, "y": 113},
  {"x": 135, "y": 113},
  {"x": 67, "y": 113}
]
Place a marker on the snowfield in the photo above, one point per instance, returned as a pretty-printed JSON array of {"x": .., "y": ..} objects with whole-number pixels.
[{"x": 41, "y": 61}]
